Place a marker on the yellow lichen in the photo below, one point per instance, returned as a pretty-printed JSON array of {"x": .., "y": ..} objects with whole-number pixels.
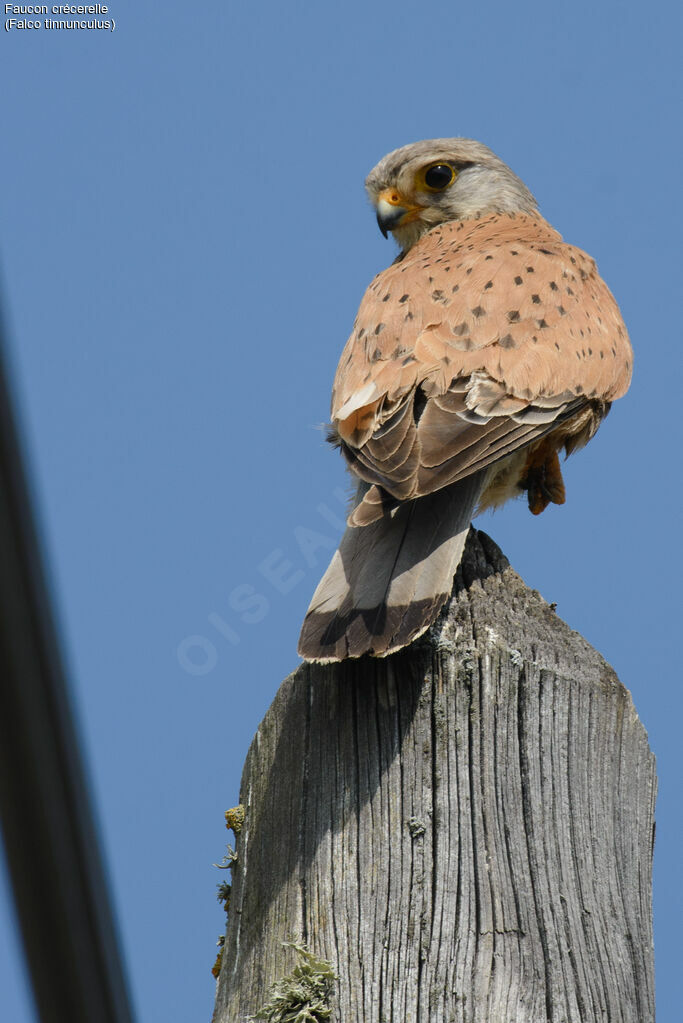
[
  {"x": 216, "y": 968},
  {"x": 234, "y": 818}
]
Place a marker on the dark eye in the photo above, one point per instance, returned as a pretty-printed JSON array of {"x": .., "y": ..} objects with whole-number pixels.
[{"x": 439, "y": 176}]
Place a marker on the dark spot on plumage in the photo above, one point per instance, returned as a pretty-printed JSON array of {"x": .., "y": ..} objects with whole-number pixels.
[
  {"x": 577, "y": 389},
  {"x": 461, "y": 329},
  {"x": 569, "y": 291},
  {"x": 488, "y": 257},
  {"x": 534, "y": 339},
  {"x": 581, "y": 332},
  {"x": 514, "y": 252},
  {"x": 456, "y": 287},
  {"x": 419, "y": 403},
  {"x": 513, "y": 316},
  {"x": 614, "y": 352},
  {"x": 408, "y": 359},
  {"x": 561, "y": 310},
  {"x": 404, "y": 298},
  {"x": 361, "y": 334},
  {"x": 447, "y": 359},
  {"x": 446, "y": 269},
  {"x": 408, "y": 316},
  {"x": 478, "y": 311},
  {"x": 572, "y": 260},
  {"x": 469, "y": 270},
  {"x": 557, "y": 346},
  {"x": 541, "y": 324},
  {"x": 431, "y": 280},
  {"x": 376, "y": 355},
  {"x": 437, "y": 295},
  {"x": 386, "y": 297},
  {"x": 578, "y": 356},
  {"x": 546, "y": 252},
  {"x": 530, "y": 269},
  {"x": 489, "y": 284},
  {"x": 536, "y": 299},
  {"x": 553, "y": 286},
  {"x": 379, "y": 328},
  {"x": 620, "y": 332},
  {"x": 602, "y": 354},
  {"x": 507, "y": 342},
  {"x": 518, "y": 281},
  {"x": 590, "y": 351}
]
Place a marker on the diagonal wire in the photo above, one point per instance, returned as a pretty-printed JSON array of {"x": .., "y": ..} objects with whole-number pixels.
[{"x": 60, "y": 890}]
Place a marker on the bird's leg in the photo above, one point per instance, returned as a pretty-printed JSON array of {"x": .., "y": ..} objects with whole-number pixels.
[{"x": 542, "y": 478}]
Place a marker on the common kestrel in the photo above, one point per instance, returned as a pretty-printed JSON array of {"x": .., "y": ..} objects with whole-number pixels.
[{"x": 486, "y": 347}]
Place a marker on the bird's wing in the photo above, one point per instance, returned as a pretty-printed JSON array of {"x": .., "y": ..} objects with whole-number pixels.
[{"x": 485, "y": 336}]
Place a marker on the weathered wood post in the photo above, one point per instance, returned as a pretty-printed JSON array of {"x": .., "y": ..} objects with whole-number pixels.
[{"x": 463, "y": 831}]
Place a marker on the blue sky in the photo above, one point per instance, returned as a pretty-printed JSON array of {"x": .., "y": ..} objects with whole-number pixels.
[{"x": 184, "y": 243}]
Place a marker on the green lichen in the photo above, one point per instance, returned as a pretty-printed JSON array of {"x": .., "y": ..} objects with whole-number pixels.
[
  {"x": 303, "y": 996},
  {"x": 223, "y": 892}
]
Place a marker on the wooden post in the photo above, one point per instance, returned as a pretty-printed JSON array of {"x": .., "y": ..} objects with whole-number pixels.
[{"x": 463, "y": 830}]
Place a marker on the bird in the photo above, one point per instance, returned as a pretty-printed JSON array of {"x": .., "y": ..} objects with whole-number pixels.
[{"x": 485, "y": 349}]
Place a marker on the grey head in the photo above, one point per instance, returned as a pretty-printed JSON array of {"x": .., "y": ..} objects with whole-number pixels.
[{"x": 431, "y": 182}]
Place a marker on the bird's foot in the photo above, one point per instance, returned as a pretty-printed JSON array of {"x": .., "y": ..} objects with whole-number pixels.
[{"x": 542, "y": 479}]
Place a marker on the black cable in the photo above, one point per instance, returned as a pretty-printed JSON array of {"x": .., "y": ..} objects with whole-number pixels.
[{"x": 52, "y": 852}]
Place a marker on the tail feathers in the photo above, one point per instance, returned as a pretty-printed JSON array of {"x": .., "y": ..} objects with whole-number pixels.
[{"x": 388, "y": 580}]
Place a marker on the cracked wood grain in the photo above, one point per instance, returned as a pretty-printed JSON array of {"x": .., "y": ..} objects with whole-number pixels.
[{"x": 463, "y": 830}]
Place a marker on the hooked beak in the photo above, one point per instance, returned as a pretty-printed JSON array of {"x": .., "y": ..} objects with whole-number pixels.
[
  {"x": 393, "y": 210},
  {"x": 389, "y": 217}
]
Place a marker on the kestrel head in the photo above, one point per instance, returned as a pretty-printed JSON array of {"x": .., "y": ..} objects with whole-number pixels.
[{"x": 428, "y": 183}]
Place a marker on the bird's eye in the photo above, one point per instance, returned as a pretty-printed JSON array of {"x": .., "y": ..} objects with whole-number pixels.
[{"x": 439, "y": 176}]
